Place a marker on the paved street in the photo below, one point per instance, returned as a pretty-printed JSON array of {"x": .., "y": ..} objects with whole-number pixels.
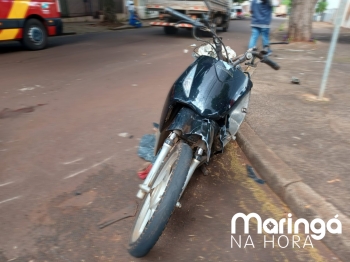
[{"x": 64, "y": 166}]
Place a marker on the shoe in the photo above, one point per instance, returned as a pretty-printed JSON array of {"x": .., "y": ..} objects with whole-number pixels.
[{"x": 266, "y": 51}]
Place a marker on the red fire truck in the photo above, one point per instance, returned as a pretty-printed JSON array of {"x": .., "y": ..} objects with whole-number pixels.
[{"x": 30, "y": 21}]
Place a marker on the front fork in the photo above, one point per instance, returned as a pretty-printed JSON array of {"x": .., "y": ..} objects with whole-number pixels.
[
  {"x": 146, "y": 186},
  {"x": 195, "y": 162}
]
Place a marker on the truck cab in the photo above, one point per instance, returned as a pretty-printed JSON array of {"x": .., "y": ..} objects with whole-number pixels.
[{"x": 30, "y": 21}]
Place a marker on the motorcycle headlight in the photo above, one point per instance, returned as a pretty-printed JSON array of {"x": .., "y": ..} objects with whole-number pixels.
[{"x": 187, "y": 83}]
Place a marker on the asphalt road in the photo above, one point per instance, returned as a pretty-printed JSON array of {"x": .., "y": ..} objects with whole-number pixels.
[{"x": 65, "y": 164}]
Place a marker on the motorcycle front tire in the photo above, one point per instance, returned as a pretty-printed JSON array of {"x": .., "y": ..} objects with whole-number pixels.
[{"x": 150, "y": 222}]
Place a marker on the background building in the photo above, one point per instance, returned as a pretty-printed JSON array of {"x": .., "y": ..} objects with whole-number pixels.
[
  {"x": 78, "y": 8},
  {"x": 331, "y": 12},
  {"x": 75, "y": 8}
]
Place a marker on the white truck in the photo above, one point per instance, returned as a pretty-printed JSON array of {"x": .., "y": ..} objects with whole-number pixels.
[
  {"x": 219, "y": 12},
  {"x": 281, "y": 10}
]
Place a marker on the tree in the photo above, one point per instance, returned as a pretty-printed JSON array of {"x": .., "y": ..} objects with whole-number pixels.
[
  {"x": 300, "y": 20},
  {"x": 287, "y": 3},
  {"x": 321, "y": 7},
  {"x": 110, "y": 11}
]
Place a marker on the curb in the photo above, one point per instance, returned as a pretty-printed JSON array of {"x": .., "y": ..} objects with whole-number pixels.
[
  {"x": 289, "y": 186},
  {"x": 109, "y": 29},
  {"x": 128, "y": 27},
  {"x": 69, "y": 33}
]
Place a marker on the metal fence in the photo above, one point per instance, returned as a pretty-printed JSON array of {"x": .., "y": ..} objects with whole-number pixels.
[{"x": 75, "y": 8}]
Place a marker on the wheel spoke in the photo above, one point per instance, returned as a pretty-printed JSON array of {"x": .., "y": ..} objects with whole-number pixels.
[
  {"x": 145, "y": 220},
  {"x": 154, "y": 202},
  {"x": 158, "y": 191}
]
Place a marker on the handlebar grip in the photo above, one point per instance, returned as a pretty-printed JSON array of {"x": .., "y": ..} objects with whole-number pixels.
[
  {"x": 182, "y": 16},
  {"x": 271, "y": 63}
]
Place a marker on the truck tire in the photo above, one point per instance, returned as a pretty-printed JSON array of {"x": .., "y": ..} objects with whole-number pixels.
[
  {"x": 170, "y": 30},
  {"x": 34, "y": 35},
  {"x": 225, "y": 27}
]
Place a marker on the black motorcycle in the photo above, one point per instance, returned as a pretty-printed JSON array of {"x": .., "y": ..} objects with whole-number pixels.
[{"x": 202, "y": 113}]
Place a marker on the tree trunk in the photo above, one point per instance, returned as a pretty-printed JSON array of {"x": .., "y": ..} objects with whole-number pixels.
[
  {"x": 110, "y": 11},
  {"x": 300, "y": 20}
]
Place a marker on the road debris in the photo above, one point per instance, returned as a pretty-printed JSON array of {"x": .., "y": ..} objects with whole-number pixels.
[
  {"x": 126, "y": 135},
  {"x": 26, "y": 89},
  {"x": 334, "y": 180},
  {"x": 146, "y": 148},
  {"x": 295, "y": 80},
  {"x": 143, "y": 172},
  {"x": 80, "y": 199},
  {"x": 251, "y": 174},
  {"x": 129, "y": 211}
]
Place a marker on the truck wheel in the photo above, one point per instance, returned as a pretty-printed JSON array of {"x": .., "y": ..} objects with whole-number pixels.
[
  {"x": 225, "y": 27},
  {"x": 169, "y": 30},
  {"x": 34, "y": 35}
]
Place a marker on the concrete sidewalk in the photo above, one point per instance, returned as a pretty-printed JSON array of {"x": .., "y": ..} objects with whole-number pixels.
[{"x": 299, "y": 145}]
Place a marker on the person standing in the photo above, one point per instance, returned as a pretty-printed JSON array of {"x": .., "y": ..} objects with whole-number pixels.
[
  {"x": 130, "y": 6},
  {"x": 134, "y": 19},
  {"x": 261, "y": 11}
]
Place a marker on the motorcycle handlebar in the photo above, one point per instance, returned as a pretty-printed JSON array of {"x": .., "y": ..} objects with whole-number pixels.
[
  {"x": 240, "y": 59},
  {"x": 182, "y": 17},
  {"x": 264, "y": 59},
  {"x": 271, "y": 63}
]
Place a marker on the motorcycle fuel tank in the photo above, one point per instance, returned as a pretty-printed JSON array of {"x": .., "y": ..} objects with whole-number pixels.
[{"x": 209, "y": 87}]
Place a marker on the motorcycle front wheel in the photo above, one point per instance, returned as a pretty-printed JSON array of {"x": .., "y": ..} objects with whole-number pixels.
[{"x": 160, "y": 202}]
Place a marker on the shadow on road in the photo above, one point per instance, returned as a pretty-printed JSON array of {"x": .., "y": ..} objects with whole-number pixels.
[{"x": 15, "y": 46}]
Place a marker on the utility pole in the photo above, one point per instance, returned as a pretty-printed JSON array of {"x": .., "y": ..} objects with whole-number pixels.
[{"x": 338, "y": 20}]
